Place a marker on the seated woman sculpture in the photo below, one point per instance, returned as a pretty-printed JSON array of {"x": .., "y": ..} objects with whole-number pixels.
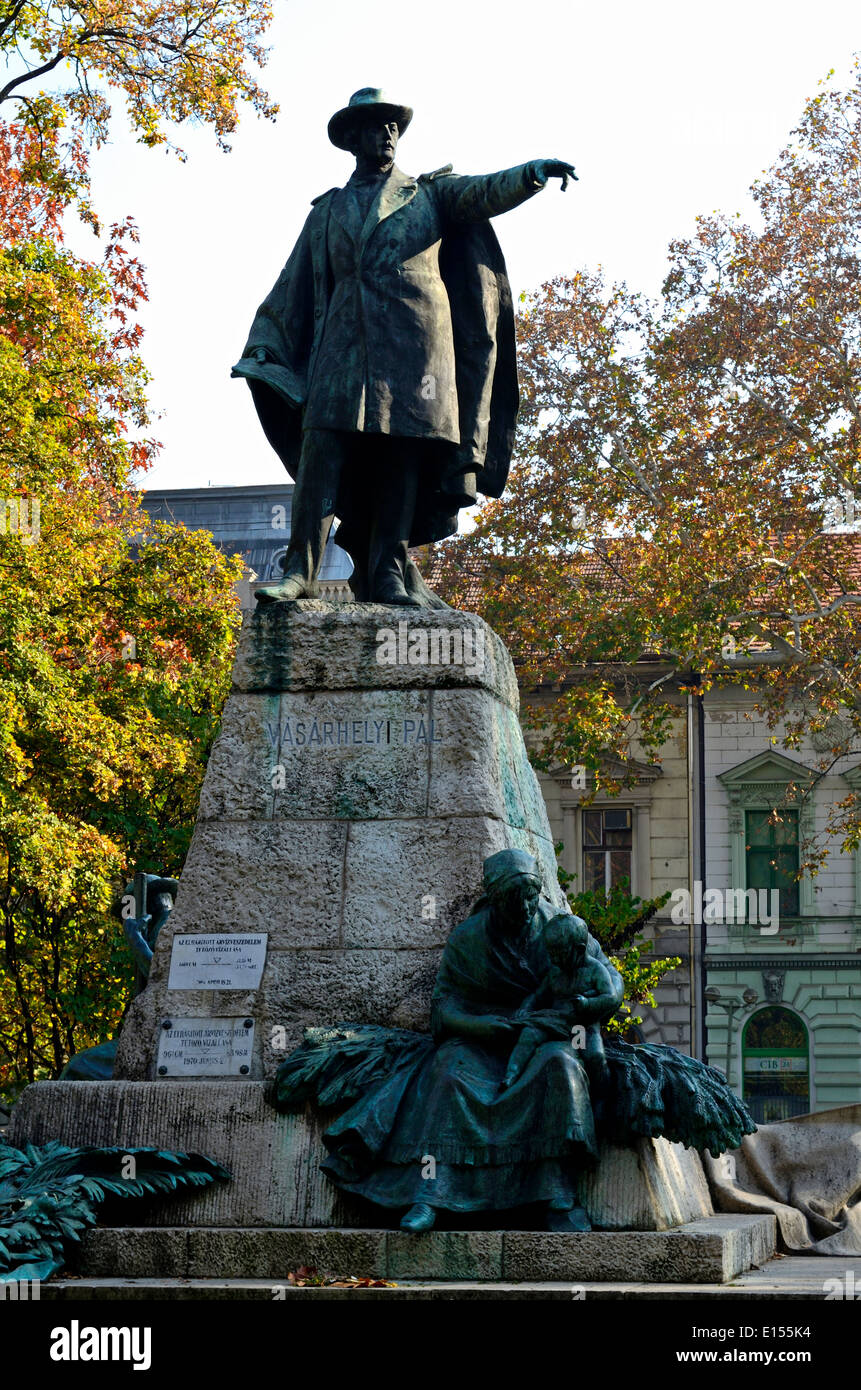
[
  {"x": 431, "y": 1125},
  {"x": 499, "y": 1146}
]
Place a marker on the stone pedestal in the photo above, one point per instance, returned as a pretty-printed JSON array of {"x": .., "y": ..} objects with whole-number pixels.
[
  {"x": 649, "y": 1205},
  {"x": 274, "y": 1158},
  {"x": 357, "y": 785}
]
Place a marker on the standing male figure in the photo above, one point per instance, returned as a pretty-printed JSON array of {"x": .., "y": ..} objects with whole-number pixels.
[{"x": 382, "y": 363}]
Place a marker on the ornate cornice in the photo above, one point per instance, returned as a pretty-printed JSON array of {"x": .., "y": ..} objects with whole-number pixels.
[
  {"x": 645, "y": 774},
  {"x": 761, "y": 783}
]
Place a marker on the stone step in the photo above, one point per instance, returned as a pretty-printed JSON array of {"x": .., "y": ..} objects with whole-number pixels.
[
  {"x": 707, "y": 1251},
  {"x": 778, "y": 1280}
]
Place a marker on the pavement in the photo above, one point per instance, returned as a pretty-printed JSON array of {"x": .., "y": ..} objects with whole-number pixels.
[{"x": 785, "y": 1278}]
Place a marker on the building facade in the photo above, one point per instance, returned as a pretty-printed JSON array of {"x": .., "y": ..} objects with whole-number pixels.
[
  {"x": 783, "y": 957},
  {"x": 769, "y": 989},
  {"x": 642, "y": 836},
  {"x": 253, "y": 522}
]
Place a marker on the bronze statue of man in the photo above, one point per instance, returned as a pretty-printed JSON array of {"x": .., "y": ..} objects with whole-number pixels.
[{"x": 382, "y": 363}]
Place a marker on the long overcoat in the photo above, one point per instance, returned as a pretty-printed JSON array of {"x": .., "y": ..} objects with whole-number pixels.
[{"x": 400, "y": 323}]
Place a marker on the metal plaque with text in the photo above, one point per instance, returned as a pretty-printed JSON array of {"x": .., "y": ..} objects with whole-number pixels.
[
  {"x": 205, "y": 1047},
  {"x": 217, "y": 960}
]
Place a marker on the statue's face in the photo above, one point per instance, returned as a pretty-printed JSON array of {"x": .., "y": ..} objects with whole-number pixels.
[
  {"x": 515, "y": 905},
  {"x": 559, "y": 950},
  {"x": 376, "y": 140}
]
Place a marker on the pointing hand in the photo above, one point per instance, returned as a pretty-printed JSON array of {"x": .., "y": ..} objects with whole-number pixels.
[{"x": 554, "y": 169}]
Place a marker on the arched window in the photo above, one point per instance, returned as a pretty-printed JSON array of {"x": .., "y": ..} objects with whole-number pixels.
[
  {"x": 276, "y": 565},
  {"x": 776, "y": 1053}
]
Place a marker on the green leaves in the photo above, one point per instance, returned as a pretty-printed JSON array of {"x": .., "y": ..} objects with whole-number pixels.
[
  {"x": 172, "y": 61},
  {"x": 115, "y": 636},
  {"x": 50, "y": 1195}
]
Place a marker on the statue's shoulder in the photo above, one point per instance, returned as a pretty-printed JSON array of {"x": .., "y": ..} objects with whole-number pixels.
[
  {"x": 321, "y": 196},
  {"x": 436, "y": 174},
  {"x": 595, "y": 953},
  {"x": 466, "y": 930}
]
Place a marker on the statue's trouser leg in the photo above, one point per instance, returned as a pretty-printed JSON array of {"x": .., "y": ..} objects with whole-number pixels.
[
  {"x": 397, "y": 482},
  {"x": 317, "y": 479},
  {"x": 358, "y": 493}
]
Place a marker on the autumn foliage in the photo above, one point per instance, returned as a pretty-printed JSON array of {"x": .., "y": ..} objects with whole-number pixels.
[
  {"x": 116, "y": 635},
  {"x": 170, "y": 61},
  {"x": 688, "y": 477}
]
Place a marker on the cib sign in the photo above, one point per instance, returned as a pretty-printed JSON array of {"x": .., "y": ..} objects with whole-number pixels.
[{"x": 772, "y": 1064}]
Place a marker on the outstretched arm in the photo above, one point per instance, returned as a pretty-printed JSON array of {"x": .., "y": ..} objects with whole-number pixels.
[
  {"x": 474, "y": 198},
  {"x": 136, "y": 929}
]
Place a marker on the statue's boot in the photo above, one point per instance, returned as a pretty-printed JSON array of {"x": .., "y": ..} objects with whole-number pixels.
[
  {"x": 388, "y": 548},
  {"x": 567, "y": 1219},
  {"x": 358, "y": 583},
  {"x": 419, "y": 590},
  {"x": 312, "y": 514},
  {"x": 420, "y": 1217},
  {"x": 391, "y": 590},
  {"x": 292, "y": 586}
]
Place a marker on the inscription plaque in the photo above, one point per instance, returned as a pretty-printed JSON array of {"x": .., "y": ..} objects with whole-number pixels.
[
  {"x": 217, "y": 960},
  {"x": 205, "y": 1047}
]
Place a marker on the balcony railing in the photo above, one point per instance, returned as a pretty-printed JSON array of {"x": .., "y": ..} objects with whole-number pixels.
[{"x": 767, "y": 1110}]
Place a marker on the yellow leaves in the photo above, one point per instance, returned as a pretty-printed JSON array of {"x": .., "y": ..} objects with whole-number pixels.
[
  {"x": 172, "y": 63},
  {"x": 92, "y": 748}
]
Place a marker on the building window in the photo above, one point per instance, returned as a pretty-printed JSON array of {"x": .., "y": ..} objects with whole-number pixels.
[
  {"x": 771, "y": 855},
  {"x": 853, "y": 777},
  {"x": 776, "y": 1053},
  {"x": 276, "y": 565},
  {"x": 765, "y": 846},
  {"x": 607, "y": 847}
]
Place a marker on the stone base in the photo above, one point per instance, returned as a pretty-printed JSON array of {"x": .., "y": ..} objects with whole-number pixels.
[
  {"x": 708, "y": 1251},
  {"x": 274, "y": 1159},
  {"x": 348, "y": 806},
  {"x": 651, "y": 1187}
]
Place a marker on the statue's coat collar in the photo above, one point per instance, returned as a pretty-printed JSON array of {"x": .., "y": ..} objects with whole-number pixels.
[{"x": 395, "y": 192}]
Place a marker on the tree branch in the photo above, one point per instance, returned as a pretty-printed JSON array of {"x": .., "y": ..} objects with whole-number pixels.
[
  {"x": 6, "y": 92},
  {"x": 12, "y": 17}
]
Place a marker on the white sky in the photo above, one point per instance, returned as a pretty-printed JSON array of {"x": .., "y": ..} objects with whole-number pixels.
[{"x": 667, "y": 108}]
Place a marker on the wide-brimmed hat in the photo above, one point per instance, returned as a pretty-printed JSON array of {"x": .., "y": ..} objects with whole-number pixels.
[{"x": 368, "y": 101}]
